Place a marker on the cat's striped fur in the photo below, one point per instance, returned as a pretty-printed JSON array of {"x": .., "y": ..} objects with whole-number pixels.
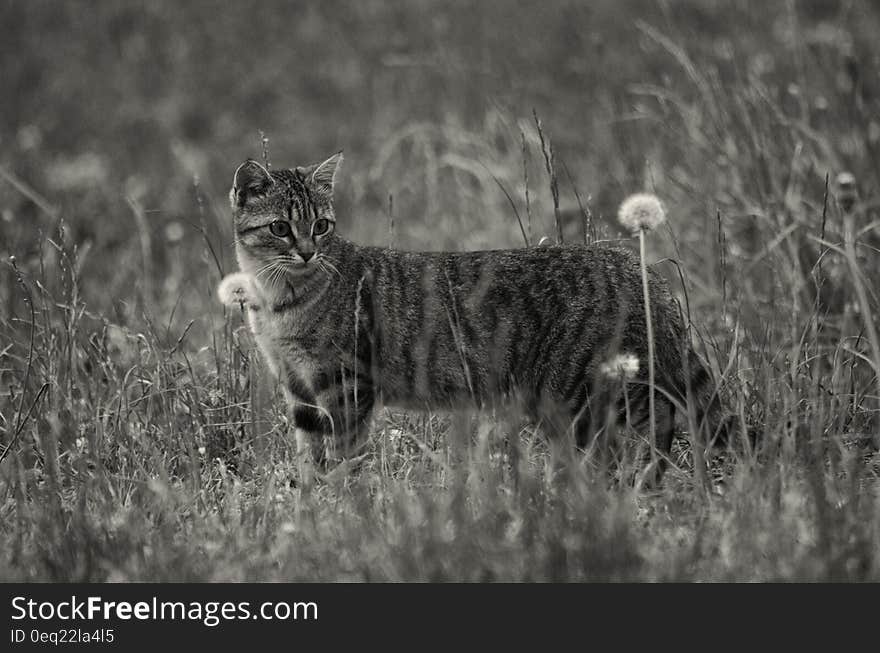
[{"x": 344, "y": 326}]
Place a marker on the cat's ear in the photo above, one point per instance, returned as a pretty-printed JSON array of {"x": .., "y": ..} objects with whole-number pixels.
[
  {"x": 250, "y": 180},
  {"x": 322, "y": 175}
]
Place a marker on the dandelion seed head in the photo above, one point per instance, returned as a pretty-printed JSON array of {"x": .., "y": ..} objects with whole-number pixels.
[
  {"x": 641, "y": 211},
  {"x": 624, "y": 366},
  {"x": 236, "y": 289}
]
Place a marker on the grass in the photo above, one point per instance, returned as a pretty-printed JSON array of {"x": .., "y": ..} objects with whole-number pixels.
[{"x": 139, "y": 438}]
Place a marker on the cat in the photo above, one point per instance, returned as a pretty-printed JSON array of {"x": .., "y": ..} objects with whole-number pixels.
[{"x": 558, "y": 330}]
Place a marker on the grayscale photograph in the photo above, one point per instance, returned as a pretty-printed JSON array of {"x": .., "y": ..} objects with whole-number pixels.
[{"x": 496, "y": 291}]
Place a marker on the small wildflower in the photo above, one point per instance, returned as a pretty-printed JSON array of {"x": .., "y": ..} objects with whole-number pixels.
[
  {"x": 642, "y": 211},
  {"x": 202, "y": 451},
  {"x": 624, "y": 366}
]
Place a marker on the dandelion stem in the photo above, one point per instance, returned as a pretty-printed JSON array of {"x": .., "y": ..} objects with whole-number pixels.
[{"x": 650, "y": 333}]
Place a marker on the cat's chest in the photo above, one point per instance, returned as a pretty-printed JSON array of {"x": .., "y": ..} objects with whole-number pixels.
[{"x": 287, "y": 341}]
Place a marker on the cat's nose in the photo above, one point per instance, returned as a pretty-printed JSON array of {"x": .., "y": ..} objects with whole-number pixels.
[{"x": 306, "y": 256}]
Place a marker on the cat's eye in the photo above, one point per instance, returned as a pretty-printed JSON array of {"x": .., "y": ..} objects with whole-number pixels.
[
  {"x": 280, "y": 228},
  {"x": 320, "y": 227}
]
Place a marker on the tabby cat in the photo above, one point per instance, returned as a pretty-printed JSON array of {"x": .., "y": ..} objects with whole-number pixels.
[{"x": 345, "y": 326}]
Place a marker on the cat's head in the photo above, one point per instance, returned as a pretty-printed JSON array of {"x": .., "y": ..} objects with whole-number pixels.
[{"x": 283, "y": 218}]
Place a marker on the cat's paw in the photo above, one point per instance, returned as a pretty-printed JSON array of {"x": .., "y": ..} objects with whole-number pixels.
[{"x": 238, "y": 289}]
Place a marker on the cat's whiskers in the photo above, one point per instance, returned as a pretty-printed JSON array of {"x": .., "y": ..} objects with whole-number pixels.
[
  {"x": 329, "y": 258},
  {"x": 325, "y": 269},
  {"x": 273, "y": 271},
  {"x": 266, "y": 268},
  {"x": 326, "y": 264},
  {"x": 262, "y": 269},
  {"x": 278, "y": 274},
  {"x": 261, "y": 277}
]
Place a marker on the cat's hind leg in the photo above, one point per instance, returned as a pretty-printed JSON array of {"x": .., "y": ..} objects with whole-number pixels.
[{"x": 656, "y": 459}]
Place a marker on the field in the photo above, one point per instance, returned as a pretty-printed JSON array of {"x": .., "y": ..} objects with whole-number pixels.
[{"x": 139, "y": 437}]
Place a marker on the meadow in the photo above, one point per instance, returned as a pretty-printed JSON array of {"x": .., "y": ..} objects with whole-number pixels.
[{"x": 139, "y": 436}]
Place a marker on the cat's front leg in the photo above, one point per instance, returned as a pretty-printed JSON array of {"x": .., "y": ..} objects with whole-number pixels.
[
  {"x": 305, "y": 417},
  {"x": 332, "y": 424}
]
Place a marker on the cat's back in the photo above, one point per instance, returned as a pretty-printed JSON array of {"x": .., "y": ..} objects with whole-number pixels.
[{"x": 549, "y": 275}]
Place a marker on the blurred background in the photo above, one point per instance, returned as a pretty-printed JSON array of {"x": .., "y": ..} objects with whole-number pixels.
[
  {"x": 123, "y": 122},
  {"x": 140, "y": 444}
]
